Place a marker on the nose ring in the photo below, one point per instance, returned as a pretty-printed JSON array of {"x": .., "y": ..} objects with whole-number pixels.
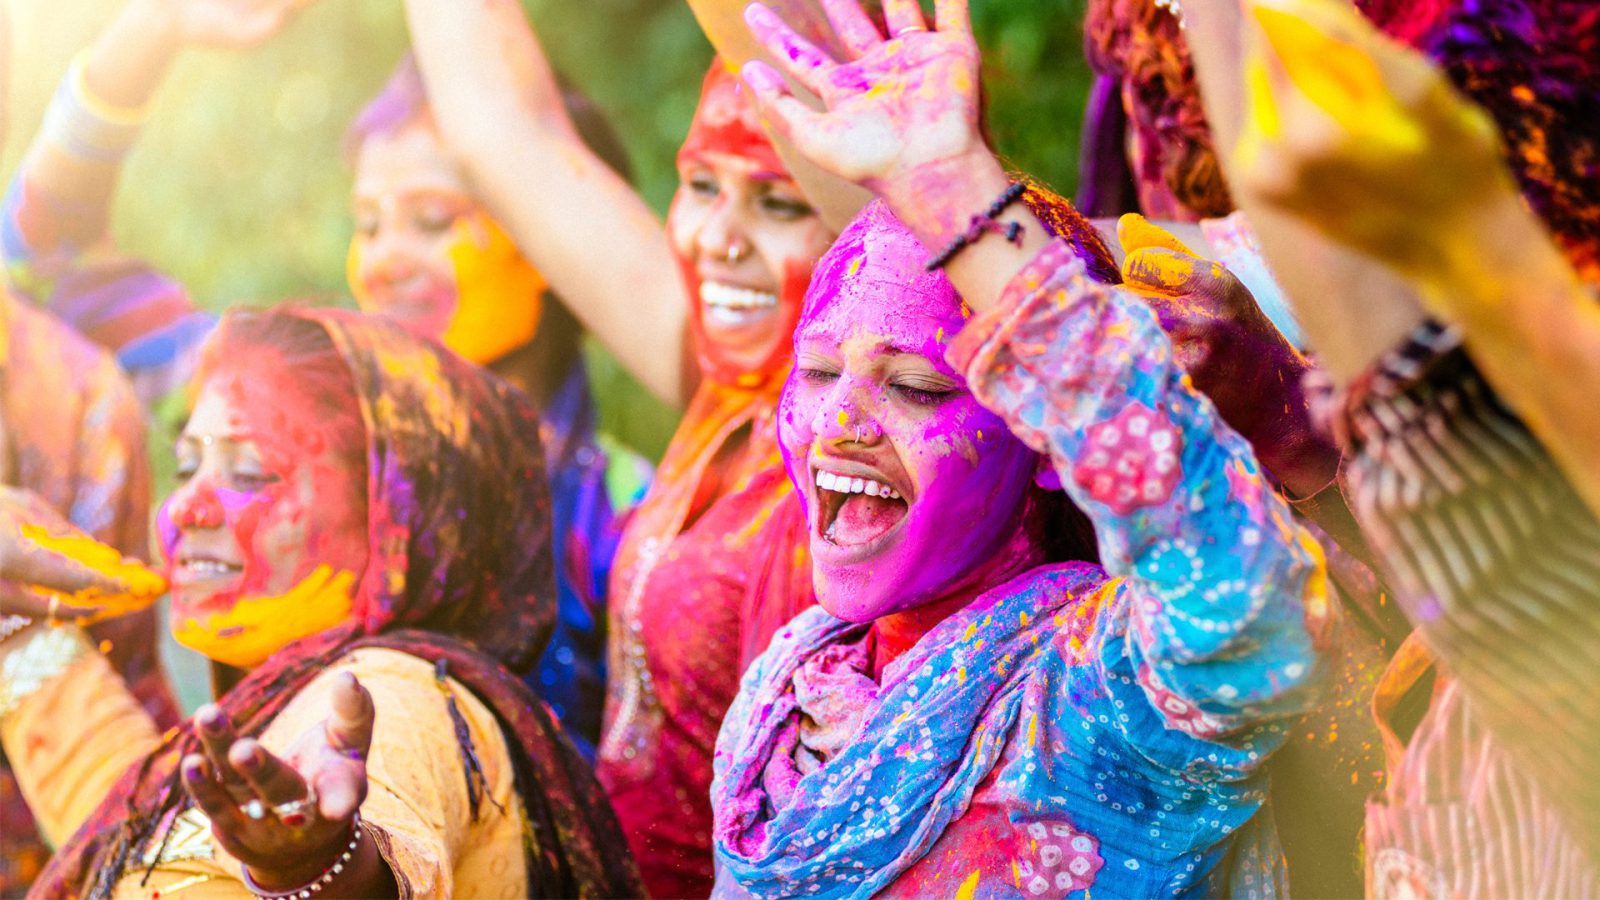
[{"x": 734, "y": 253}]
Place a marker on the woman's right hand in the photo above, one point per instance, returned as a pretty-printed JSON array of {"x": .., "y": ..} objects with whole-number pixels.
[{"x": 900, "y": 107}]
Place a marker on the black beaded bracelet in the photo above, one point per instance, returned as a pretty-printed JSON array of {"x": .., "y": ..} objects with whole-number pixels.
[{"x": 982, "y": 224}]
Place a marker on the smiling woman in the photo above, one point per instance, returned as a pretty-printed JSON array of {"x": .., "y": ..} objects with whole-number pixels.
[
  {"x": 270, "y": 501},
  {"x": 369, "y": 649}
]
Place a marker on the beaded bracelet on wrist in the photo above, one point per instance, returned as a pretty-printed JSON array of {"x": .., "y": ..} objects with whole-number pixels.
[
  {"x": 982, "y": 224},
  {"x": 87, "y": 127},
  {"x": 315, "y": 885}
]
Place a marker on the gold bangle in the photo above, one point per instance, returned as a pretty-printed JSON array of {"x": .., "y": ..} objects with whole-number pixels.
[
  {"x": 94, "y": 104},
  {"x": 35, "y": 660}
]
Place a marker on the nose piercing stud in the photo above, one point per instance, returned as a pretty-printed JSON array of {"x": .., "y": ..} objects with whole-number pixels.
[{"x": 734, "y": 253}]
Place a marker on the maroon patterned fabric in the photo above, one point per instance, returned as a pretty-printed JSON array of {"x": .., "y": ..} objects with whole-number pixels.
[{"x": 459, "y": 571}]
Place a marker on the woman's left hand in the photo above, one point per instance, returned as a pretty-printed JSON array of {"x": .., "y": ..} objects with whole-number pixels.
[
  {"x": 287, "y": 819},
  {"x": 1231, "y": 351},
  {"x": 899, "y": 107}
]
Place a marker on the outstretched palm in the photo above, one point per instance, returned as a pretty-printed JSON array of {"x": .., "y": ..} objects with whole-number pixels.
[
  {"x": 289, "y": 815},
  {"x": 900, "y": 102}
]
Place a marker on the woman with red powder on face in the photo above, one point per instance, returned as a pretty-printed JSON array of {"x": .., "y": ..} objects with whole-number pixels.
[
  {"x": 715, "y": 558},
  {"x": 350, "y": 546}
]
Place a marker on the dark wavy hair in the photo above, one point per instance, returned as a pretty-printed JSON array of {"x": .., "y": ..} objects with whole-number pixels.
[{"x": 1140, "y": 46}]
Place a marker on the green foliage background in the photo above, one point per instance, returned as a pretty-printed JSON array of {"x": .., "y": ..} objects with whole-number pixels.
[{"x": 238, "y": 186}]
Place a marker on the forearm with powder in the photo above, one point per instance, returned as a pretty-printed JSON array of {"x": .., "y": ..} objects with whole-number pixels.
[
  {"x": 601, "y": 247},
  {"x": 1533, "y": 327},
  {"x": 1351, "y": 308},
  {"x": 59, "y": 201}
]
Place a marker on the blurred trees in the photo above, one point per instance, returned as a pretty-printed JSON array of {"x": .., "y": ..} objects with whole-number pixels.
[{"x": 239, "y": 187}]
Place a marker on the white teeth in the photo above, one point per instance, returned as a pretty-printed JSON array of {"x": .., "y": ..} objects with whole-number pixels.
[
  {"x": 722, "y": 296},
  {"x": 843, "y": 484},
  {"x": 209, "y": 567}
]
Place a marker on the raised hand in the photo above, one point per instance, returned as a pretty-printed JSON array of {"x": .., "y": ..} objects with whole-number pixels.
[
  {"x": 1230, "y": 350},
  {"x": 1363, "y": 137},
  {"x": 224, "y": 23},
  {"x": 897, "y": 108},
  {"x": 287, "y": 819}
]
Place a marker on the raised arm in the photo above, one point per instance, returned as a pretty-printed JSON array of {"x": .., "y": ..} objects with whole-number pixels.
[
  {"x": 1393, "y": 164},
  {"x": 1222, "y": 589},
  {"x": 601, "y": 247},
  {"x": 57, "y": 206}
]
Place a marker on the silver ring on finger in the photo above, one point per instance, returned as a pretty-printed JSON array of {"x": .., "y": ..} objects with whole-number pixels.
[
  {"x": 296, "y": 813},
  {"x": 909, "y": 29},
  {"x": 253, "y": 809}
]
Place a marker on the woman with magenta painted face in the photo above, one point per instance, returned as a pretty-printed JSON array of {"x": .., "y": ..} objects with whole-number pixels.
[
  {"x": 978, "y": 708},
  {"x": 350, "y": 546}
]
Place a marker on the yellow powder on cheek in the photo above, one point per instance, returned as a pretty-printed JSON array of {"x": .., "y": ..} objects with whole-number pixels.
[{"x": 256, "y": 627}]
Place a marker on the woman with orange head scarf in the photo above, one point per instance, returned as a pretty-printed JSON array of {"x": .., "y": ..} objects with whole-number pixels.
[{"x": 714, "y": 560}]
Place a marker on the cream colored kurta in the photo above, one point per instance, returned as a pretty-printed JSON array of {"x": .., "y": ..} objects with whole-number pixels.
[{"x": 72, "y": 739}]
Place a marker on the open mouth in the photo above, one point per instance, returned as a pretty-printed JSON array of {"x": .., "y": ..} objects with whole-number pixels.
[
  {"x": 854, "y": 510},
  {"x": 731, "y": 306}
]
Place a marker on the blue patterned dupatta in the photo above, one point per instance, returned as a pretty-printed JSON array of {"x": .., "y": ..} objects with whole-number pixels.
[{"x": 935, "y": 732}]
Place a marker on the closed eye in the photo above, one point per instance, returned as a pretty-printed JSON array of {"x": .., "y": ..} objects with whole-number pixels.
[
  {"x": 819, "y": 376},
  {"x": 923, "y": 396}
]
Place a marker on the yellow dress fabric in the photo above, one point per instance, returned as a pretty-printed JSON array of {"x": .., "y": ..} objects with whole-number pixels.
[{"x": 71, "y": 740}]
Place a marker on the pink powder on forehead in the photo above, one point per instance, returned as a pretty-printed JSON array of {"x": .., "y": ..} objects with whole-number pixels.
[
  {"x": 872, "y": 284},
  {"x": 873, "y": 281}
]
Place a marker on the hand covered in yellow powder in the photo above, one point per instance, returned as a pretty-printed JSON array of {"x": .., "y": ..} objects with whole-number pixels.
[
  {"x": 1364, "y": 138},
  {"x": 1231, "y": 351},
  {"x": 1220, "y": 336},
  {"x": 49, "y": 568}
]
